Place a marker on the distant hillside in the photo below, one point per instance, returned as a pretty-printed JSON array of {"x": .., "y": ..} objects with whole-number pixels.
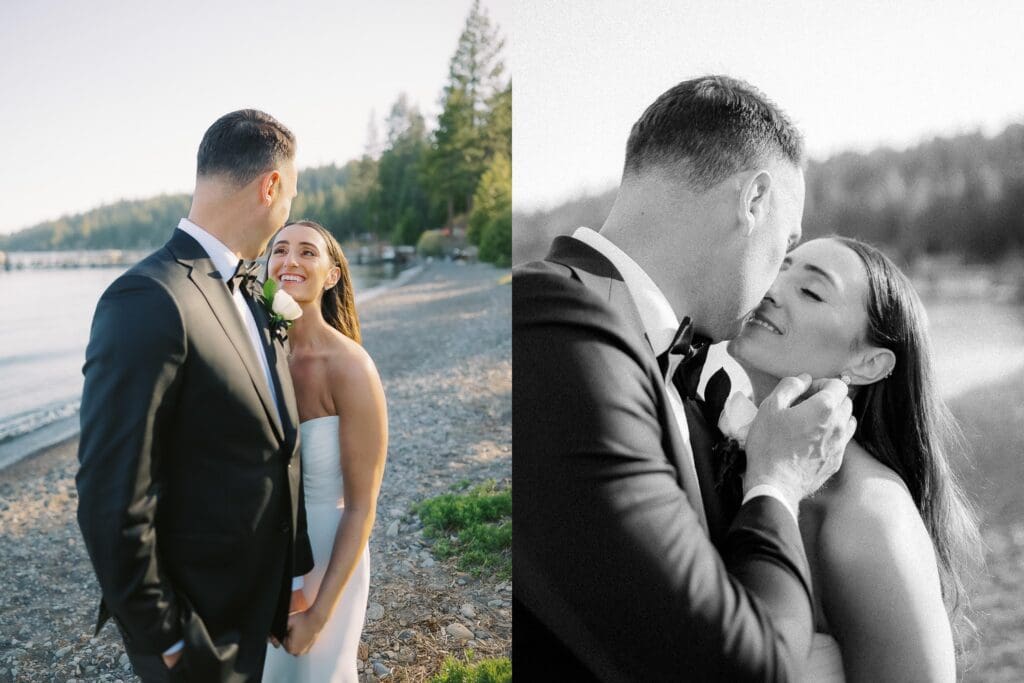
[
  {"x": 963, "y": 194},
  {"x": 147, "y": 223},
  {"x": 532, "y": 232},
  {"x": 140, "y": 224}
]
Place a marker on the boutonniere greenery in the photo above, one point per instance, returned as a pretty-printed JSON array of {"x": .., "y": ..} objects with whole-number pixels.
[
  {"x": 730, "y": 413},
  {"x": 281, "y": 307}
]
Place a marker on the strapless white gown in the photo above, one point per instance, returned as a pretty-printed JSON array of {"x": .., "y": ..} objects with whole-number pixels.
[
  {"x": 826, "y": 662},
  {"x": 332, "y": 659}
]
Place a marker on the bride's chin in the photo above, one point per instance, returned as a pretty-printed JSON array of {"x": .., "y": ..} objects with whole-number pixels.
[
  {"x": 739, "y": 347},
  {"x": 743, "y": 350}
]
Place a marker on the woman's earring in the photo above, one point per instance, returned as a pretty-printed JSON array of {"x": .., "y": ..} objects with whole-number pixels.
[{"x": 845, "y": 379}]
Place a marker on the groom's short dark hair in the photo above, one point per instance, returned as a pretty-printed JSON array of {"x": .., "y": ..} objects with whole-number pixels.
[
  {"x": 711, "y": 127},
  {"x": 244, "y": 144}
]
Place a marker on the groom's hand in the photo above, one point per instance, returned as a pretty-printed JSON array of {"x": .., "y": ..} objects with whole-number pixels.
[
  {"x": 303, "y": 629},
  {"x": 171, "y": 660},
  {"x": 796, "y": 447}
]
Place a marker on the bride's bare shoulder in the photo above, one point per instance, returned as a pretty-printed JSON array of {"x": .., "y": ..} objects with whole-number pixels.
[
  {"x": 872, "y": 517},
  {"x": 350, "y": 372},
  {"x": 880, "y": 584}
]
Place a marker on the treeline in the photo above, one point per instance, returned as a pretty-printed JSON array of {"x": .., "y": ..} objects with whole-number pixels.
[
  {"x": 412, "y": 180},
  {"x": 415, "y": 178},
  {"x": 963, "y": 195},
  {"x": 141, "y": 224}
]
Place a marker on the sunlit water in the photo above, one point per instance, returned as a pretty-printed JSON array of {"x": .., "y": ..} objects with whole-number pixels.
[{"x": 45, "y": 317}]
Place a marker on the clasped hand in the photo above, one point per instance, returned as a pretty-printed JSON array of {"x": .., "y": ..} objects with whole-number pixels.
[
  {"x": 303, "y": 626},
  {"x": 796, "y": 445}
]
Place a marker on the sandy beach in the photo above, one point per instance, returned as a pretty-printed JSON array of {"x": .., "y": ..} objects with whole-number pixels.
[{"x": 442, "y": 344}]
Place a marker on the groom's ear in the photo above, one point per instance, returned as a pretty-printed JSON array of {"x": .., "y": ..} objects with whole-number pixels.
[
  {"x": 755, "y": 192},
  {"x": 874, "y": 364},
  {"x": 270, "y": 185}
]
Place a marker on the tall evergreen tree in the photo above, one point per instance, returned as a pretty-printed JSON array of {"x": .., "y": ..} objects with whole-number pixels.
[
  {"x": 490, "y": 224},
  {"x": 459, "y": 154},
  {"x": 404, "y": 201}
]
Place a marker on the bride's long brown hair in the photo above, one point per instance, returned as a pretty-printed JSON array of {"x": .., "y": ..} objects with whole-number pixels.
[
  {"x": 338, "y": 304},
  {"x": 904, "y": 423}
]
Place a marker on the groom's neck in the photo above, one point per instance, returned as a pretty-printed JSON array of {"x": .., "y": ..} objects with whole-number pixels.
[
  {"x": 660, "y": 241},
  {"x": 220, "y": 212}
]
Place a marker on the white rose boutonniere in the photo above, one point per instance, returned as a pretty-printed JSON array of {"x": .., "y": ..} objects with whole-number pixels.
[
  {"x": 737, "y": 415},
  {"x": 281, "y": 307}
]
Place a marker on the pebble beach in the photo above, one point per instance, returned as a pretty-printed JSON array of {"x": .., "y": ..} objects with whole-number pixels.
[{"x": 442, "y": 345}]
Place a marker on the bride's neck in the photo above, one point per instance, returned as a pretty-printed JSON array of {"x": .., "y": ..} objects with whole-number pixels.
[
  {"x": 310, "y": 329},
  {"x": 762, "y": 384}
]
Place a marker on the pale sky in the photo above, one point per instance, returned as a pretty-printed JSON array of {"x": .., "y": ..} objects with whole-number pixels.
[
  {"x": 852, "y": 74},
  {"x": 105, "y": 100}
]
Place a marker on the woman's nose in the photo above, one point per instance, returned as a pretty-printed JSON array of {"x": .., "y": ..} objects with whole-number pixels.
[{"x": 773, "y": 294}]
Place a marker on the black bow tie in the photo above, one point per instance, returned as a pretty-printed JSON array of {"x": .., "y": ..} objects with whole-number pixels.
[
  {"x": 694, "y": 351},
  {"x": 244, "y": 275}
]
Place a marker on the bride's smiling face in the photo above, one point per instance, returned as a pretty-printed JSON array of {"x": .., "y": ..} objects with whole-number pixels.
[
  {"x": 300, "y": 263},
  {"x": 812, "y": 319}
]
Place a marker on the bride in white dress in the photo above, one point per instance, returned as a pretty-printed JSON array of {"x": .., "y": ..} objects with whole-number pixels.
[
  {"x": 344, "y": 445},
  {"x": 890, "y": 536}
]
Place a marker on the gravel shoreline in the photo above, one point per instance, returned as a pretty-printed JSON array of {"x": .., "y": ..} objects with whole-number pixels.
[{"x": 442, "y": 344}]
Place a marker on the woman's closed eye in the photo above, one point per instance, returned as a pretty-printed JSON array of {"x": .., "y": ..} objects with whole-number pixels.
[{"x": 811, "y": 294}]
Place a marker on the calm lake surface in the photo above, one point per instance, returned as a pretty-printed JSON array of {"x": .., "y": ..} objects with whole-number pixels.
[{"x": 44, "y": 328}]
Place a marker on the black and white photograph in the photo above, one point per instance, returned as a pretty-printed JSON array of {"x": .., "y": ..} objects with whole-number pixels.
[{"x": 768, "y": 341}]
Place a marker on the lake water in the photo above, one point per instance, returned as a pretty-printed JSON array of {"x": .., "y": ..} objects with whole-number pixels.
[{"x": 45, "y": 317}]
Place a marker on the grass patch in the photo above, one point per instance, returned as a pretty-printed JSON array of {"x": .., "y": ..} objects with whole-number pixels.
[
  {"x": 474, "y": 525},
  {"x": 484, "y": 671}
]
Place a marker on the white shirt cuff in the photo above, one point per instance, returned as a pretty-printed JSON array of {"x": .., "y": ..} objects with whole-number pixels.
[
  {"x": 769, "y": 490},
  {"x": 177, "y": 647},
  {"x": 297, "y": 583}
]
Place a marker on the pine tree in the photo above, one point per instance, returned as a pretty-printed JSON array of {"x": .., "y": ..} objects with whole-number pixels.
[
  {"x": 491, "y": 220},
  {"x": 459, "y": 150},
  {"x": 404, "y": 201}
]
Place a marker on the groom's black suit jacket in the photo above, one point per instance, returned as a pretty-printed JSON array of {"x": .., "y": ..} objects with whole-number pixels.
[
  {"x": 614, "y": 576},
  {"x": 190, "y": 499}
]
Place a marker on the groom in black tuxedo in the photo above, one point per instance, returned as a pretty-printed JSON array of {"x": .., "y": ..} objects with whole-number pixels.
[
  {"x": 629, "y": 565},
  {"x": 190, "y": 498}
]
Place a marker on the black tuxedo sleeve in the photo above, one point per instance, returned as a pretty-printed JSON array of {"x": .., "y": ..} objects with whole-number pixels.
[
  {"x": 136, "y": 347},
  {"x": 608, "y": 555},
  {"x": 303, "y": 550}
]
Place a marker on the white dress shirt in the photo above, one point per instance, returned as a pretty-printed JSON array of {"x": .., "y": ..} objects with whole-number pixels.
[
  {"x": 226, "y": 262},
  {"x": 660, "y": 323}
]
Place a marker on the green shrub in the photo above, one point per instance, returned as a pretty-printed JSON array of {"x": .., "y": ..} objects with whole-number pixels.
[
  {"x": 475, "y": 526},
  {"x": 496, "y": 242},
  {"x": 484, "y": 671},
  {"x": 431, "y": 243}
]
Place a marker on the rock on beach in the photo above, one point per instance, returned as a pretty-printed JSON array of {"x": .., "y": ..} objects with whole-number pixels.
[{"x": 442, "y": 345}]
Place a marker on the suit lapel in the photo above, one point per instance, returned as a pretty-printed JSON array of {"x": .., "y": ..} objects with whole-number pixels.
[
  {"x": 277, "y": 358},
  {"x": 207, "y": 279},
  {"x": 601, "y": 277}
]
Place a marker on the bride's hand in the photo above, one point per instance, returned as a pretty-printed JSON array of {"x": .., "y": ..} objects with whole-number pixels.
[
  {"x": 298, "y": 602},
  {"x": 303, "y": 629}
]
